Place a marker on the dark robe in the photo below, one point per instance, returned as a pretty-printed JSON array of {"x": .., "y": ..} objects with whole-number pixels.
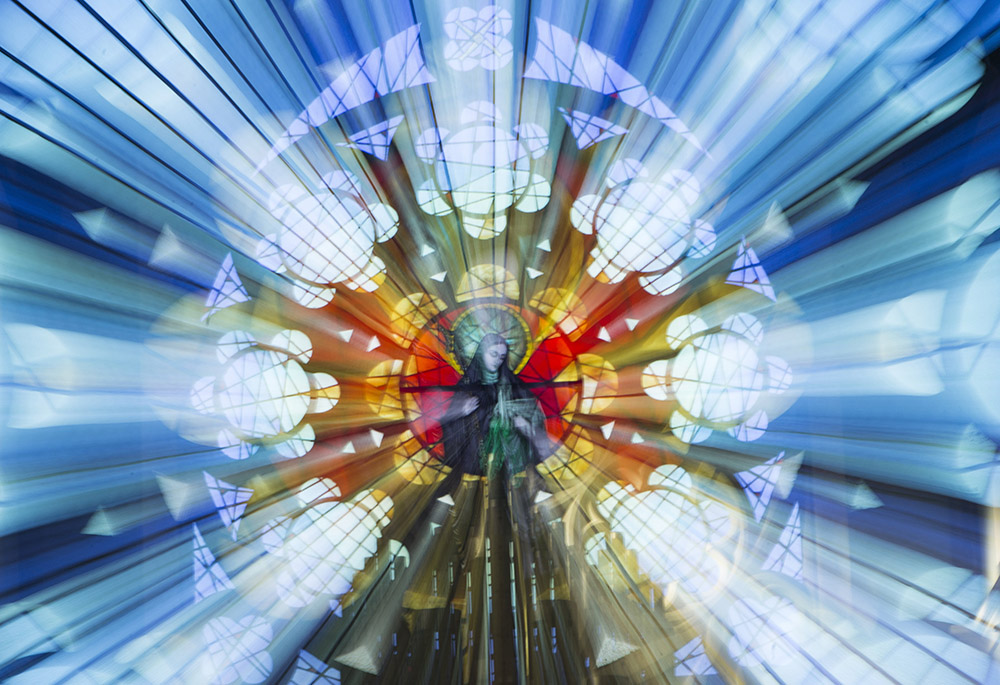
[{"x": 463, "y": 436}]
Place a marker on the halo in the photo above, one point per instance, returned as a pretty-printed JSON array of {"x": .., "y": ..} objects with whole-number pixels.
[{"x": 475, "y": 322}]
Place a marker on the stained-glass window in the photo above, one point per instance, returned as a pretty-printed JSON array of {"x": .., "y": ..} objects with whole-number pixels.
[{"x": 515, "y": 342}]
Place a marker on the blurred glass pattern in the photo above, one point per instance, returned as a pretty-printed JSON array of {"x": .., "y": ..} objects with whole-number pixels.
[{"x": 740, "y": 259}]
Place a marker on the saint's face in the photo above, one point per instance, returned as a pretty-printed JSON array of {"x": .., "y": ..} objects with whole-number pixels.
[{"x": 495, "y": 354}]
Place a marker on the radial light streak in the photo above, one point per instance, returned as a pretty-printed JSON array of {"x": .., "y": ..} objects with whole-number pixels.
[{"x": 739, "y": 257}]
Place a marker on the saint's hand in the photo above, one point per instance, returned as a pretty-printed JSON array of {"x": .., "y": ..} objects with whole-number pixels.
[
  {"x": 522, "y": 425},
  {"x": 467, "y": 405}
]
